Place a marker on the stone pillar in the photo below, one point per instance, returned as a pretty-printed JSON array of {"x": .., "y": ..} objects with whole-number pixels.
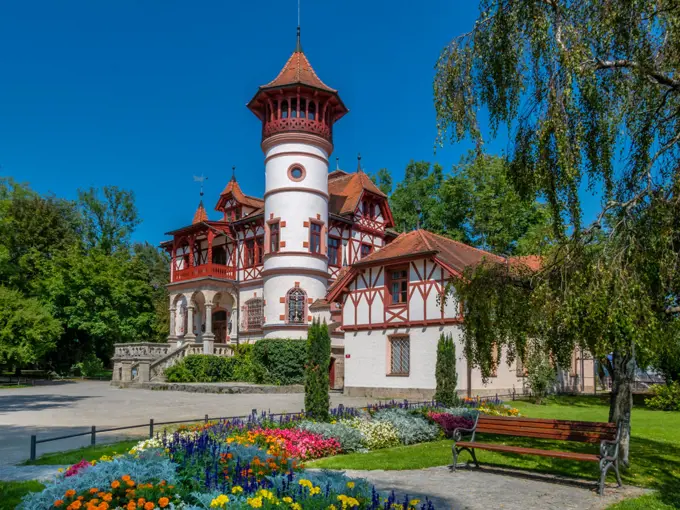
[
  {"x": 208, "y": 337},
  {"x": 126, "y": 375},
  {"x": 234, "y": 317},
  {"x": 144, "y": 371},
  {"x": 189, "y": 335},
  {"x": 172, "y": 336}
]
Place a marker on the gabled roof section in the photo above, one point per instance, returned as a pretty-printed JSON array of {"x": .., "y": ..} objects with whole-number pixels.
[
  {"x": 345, "y": 190},
  {"x": 454, "y": 256},
  {"x": 234, "y": 190},
  {"x": 200, "y": 214}
]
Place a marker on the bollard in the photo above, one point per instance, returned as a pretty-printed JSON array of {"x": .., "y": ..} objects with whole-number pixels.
[
  {"x": 151, "y": 428},
  {"x": 93, "y": 440},
  {"x": 206, "y": 418},
  {"x": 33, "y": 440}
]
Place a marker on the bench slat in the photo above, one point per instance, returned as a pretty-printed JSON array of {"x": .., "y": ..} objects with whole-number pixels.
[
  {"x": 564, "y": 435},
  {"x": 549, "y": 422},
  {"x": 595, "y": 427},
  {"x": 585, "y": 457}
]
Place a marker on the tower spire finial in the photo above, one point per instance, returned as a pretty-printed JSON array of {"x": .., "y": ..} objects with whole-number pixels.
[
  {"x": 337, "y": 162},
  {"x": 233, "y": 173},
  {"x": 359, "y": 169},
  {"x": 298, "y": 46}
]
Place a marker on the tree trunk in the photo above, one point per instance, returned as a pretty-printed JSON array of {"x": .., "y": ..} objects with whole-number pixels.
[{"x": 621, "y": 399}]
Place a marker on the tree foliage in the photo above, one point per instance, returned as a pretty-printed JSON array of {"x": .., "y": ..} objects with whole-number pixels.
[
  {"x": 317, "y": 399},
  {"x": 74, "y": 262},
  {"x": 475, "y": 204},
  {"x": 445, "y": 372},
  {"x": 590, "y": 94}
]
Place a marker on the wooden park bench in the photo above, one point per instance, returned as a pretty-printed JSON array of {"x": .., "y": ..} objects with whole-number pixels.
[{"x": 607, "y": 434}]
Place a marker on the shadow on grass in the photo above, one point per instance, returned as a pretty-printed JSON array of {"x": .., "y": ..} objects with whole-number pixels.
[{"x": 654, "y": 464}]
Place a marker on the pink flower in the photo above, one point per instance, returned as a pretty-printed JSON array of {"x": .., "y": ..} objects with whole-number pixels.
[
  {"x": 77, "y": 468},
  {"x": 449, "y": 422}
]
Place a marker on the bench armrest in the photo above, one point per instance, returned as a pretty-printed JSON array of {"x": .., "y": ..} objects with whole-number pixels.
[
  {"x": 609, "y": 450},
  {"x": 458, "y": 433}
]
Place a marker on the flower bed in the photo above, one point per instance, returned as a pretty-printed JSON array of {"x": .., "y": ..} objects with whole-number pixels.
[{"x": 256, "y": 462}]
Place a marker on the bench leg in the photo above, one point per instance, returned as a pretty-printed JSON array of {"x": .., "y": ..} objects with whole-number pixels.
[
  {"x": 456, "y": 451},
  {"x": 455, "y": 456},
  {"x": 474, "y": 457},
  {"x": 616, "y": 470}
]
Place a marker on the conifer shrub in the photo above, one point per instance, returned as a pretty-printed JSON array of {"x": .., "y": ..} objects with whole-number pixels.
[
  {"x": 317, "y": 400},
  {"x": 445, "y": 372}
]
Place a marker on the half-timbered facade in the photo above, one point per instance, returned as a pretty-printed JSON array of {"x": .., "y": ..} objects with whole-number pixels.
[{"x": 394, "y": 309}]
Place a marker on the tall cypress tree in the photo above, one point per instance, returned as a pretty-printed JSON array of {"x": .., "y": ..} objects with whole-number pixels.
[
  {"x": 445, "y": 373},
  {"x": 317, "y": 400}
]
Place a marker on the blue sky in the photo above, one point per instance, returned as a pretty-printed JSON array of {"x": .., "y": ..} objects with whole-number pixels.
[{"x": 146, "y": 94}]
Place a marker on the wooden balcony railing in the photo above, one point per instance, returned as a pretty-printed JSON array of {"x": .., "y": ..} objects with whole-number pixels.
[{"x": 214, "y": 270}]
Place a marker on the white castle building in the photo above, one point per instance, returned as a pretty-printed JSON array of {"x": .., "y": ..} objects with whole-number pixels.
[{"x": 319, "y": 244}]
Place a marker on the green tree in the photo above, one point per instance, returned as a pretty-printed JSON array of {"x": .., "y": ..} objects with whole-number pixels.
[
  {"x": 110, "y": 217},
  {"x": 27, "y": 329},
  {"x": 416, "y": 199},
  {"x": 445, "y": 372},
  {"x": 383, "y": 179},
  {"x": 157, "y": 265},
  {"x": 590, "y": 93},
  {"x": 317, "y": 400}
]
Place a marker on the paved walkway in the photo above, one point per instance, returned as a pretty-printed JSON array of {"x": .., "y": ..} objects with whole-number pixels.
[
  {"x": 20, "y": 473},
  {"x": 473, "y": 489},
  {"x": 72, "y": 407}
]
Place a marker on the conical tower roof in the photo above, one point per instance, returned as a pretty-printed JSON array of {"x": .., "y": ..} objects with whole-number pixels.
[{"x": 200, "y": 214}]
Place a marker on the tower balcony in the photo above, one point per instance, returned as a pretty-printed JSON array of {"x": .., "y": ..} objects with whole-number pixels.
[
  {"x": 204, "y": 270},
  {"x": 296, "y": 124}
]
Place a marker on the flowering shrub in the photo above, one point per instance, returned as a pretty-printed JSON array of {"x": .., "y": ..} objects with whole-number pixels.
[
  {"x": 498, "y": 409},
  {"x": 295, "y": 442},
  {"x": 410, "y": 428},
  {"x": 449, "y": 422},
  {"x": 377, "y": 434},
  {"x": 77, "y": 468},
  {"x": 350, "y": 439}
]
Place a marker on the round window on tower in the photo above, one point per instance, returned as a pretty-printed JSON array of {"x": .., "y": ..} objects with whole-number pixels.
[{"x": 296, "y": 172}]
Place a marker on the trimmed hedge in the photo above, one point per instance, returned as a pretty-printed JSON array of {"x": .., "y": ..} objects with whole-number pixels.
[
  {"x": 273, "y": 361},
  {"x": 283, "y": 361}
]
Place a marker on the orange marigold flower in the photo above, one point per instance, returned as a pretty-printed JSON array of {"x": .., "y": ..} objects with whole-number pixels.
[
  {"x": 80, "y": 498},
  {"x": 130, "y": 483},
  {"x": 76, "y": 505},
  {"x": 70, "y": 493},
  {"x": 125, "y": 478},
  {"x": 141, "y": 501},
  {"x": 103, "y": 506},
  {"x": 150, "y": 505},
  {"x": 131, "y": 505},
  {"x": 58, "y": 502},
  {"x": 163, "y": 502},
  {"x": 93, "y": 490},
  {"x": 115, "y": 484},
  {"x": 107, "y": 497},
  {"x": 101, "y": 494}
]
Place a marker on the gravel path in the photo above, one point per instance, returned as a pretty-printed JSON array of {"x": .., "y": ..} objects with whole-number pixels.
[
  {"x": 21, "y": 473},
  {"x": 485, "y": 489}
]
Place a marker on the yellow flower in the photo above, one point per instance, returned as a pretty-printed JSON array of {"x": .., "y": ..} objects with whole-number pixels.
[
  {"x": 219, "y": 501},
  {"x": 414, "y": 502},
  {"x": 60, "y": 470},
  {"x": 306, "y": 483},
  {"x": 315, "y": 490},
  {"x": 287, "y": 499},
  {"x": 255, "y": 502},
  {"x": 236, "y": 489},
  {"x": 296, "y": 506},
  {"x": 332, "y": 507},
  {"x": 350, "y": 485}
]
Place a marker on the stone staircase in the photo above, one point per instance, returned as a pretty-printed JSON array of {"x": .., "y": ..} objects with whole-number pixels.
[{"x": 144, "y": 362}]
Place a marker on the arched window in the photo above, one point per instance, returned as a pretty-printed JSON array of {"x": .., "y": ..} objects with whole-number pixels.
[
  {"x": 284, "y": 109},
  {"x": 296, "y": 306},
  {"x": 312, "y": 110},
  {"x": 254, "y": 313}
]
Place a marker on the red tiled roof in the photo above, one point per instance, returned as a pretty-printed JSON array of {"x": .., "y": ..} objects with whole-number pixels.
[
  {"x": 345, "y": 191},
  {"x": 235, "y": 190},
  {"x": 453, "y": 255},
  {"x": 200, "y": 214},
  {"x": 533, "y": 262},
  {"x": 298, "y": 70}
]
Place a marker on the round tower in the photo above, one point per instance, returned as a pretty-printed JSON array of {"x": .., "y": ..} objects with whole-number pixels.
[{"x": 297, "y": 111}]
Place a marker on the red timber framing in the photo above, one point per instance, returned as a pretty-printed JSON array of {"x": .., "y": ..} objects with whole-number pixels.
[
  {"x": 362, "y": 287},
  {"x": 252, "y": 253},
  {"x": 191, "y": 253}
]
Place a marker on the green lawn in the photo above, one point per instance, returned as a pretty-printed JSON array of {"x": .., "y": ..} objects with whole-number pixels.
[
  {"x": 88, "y": 453},
  {"x": 12, "y": 492},
  {"x": 655, "y": 449}
]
